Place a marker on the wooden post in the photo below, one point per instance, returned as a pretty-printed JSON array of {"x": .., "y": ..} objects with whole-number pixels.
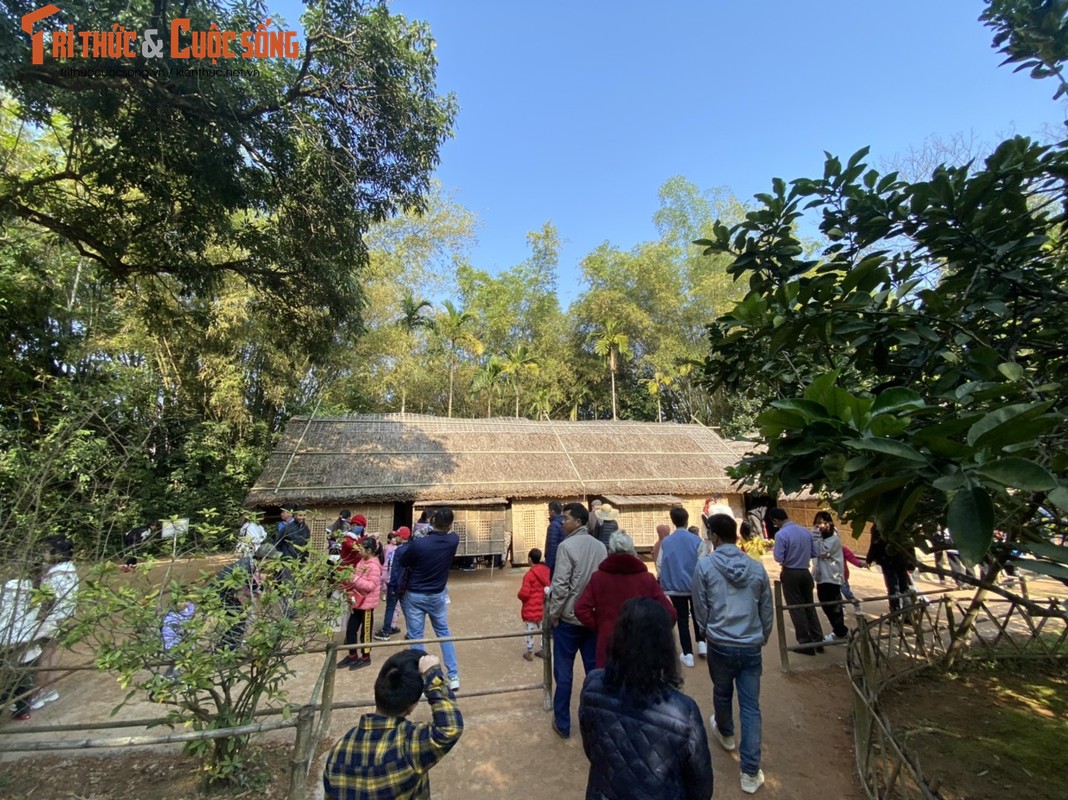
[
  {"x": 547, "y": 651},
  {"x": 862, "y": 719},
  {"x": 780, "y": 627},
  {"x": 300, "y": 763},
  {"x": 330, "y": 673}
]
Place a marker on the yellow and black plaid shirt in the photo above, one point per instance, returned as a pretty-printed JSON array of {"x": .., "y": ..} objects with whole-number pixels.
[{"x": 384, "y": 758}]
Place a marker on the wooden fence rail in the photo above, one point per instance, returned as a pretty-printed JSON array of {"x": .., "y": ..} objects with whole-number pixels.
[
  {"x": 311, "y": 720},
  {"x": 885, "y": 650}
]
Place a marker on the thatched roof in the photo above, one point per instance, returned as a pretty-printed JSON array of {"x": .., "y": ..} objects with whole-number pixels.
[{"x": 338, "y": 460}]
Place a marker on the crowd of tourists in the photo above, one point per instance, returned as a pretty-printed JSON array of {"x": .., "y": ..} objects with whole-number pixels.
[{"x": 642, "y": 735}]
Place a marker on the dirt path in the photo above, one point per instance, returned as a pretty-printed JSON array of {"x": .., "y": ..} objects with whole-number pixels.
[{"x": 508, "y": 748}]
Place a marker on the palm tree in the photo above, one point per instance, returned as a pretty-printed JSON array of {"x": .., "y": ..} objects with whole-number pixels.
[
  {"x": 517, "y": 363},
  {"x": 610, "y": 342},
  {"x": 488, "y": 379},
  {"x": 541, "y": 406},
  {"x": 411, "y": 320},
  {"x": 656, "y": 386},
  {"x": 412, "y": 317},
  {"x": 453, "y": 328}
]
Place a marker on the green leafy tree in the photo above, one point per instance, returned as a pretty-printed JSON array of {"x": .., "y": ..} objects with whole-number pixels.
[
  {"x": 274, "y": 176},
  {"x": 233, "y": 654},
  {"x": 919, "y": 359}
]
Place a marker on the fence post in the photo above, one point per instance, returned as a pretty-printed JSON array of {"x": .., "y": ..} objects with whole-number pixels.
[
  {"x": 784, "y": 652},
  {"x": 327, "y": 699},
  {"x": 862, "y": 719},
  {"x": 300, "y": 763},
  {"x": 547, "y": 651}
]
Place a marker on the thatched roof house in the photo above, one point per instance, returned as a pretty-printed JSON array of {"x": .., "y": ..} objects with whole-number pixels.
[{"x": 394, "y": 464}]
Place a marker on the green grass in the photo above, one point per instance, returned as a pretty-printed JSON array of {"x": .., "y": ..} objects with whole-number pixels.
[{"x": 987, "y": 729}]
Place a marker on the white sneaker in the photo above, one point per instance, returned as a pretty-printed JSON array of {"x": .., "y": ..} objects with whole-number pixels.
[
  {"x": 45, "y": 697},
  {"x": 727, "y": 742},
  {"x": 454, "y": 684},
  {"x": 829, "y": 637},
  {"x": 686, "y": 659},
  {"x": 750, "y": 783},
  {"x": 702, "y": 649}
]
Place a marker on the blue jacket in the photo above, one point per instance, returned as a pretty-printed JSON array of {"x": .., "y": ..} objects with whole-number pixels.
[
  {"x": 678, "y": 560},
  {"x": 657, "y": 751},
  {"x": 732, "y": 598},
  {"x": 553, "y": 536},
  {"x": 398, "y": 573},
  {"x": 430, "y": 558},
  {"x": 795, "y": 546}
]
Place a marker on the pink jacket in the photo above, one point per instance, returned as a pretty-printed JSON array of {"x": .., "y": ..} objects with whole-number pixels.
[
  {"x": 847, "y": 554},
  {"x": 364, "y": 587}
]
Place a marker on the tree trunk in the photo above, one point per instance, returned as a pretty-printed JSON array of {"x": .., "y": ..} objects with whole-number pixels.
[
  {"x": 614, "y": 395},
  {"x": 452, "y": 373},
  {"x": 960, "y": 635},
  {"x": 517, "y": 401},
  {"x": 612, "y": 369}
]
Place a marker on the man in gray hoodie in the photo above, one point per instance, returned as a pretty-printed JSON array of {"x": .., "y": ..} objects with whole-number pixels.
[{"x": 732, "y": 602}]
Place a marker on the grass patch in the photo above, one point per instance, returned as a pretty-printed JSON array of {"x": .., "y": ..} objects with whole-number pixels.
[{"x": 987, "y": 729}]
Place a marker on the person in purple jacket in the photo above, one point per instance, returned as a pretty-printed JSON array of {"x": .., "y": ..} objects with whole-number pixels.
[{"x": 795, "y": 547}]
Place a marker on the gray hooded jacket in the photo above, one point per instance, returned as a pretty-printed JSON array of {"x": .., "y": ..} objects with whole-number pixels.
[{"x": 732, "y": 598}]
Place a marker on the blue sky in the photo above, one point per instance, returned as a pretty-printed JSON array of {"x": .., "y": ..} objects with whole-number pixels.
[{"x": 577, "y": 112}]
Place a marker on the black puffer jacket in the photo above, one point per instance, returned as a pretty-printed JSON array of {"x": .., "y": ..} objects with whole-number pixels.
[{"x": 656, "y": 752}]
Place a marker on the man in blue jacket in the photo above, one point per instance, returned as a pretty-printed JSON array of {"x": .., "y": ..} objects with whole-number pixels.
[
  {"x": 732, "y": 601},
  {"x": 429, "y": 559},
  {"x": 554, "y": 534},
  {"x": 678, "y": 560},
  {"x": 795, "y": 547}
]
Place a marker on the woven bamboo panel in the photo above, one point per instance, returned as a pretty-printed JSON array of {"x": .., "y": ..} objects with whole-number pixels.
[
  {"x": 482, "y": 531},
  {"x": 379, "y": 520},
  {"x": 529, "y": 519},
  {"x": 640, "y": 523}
]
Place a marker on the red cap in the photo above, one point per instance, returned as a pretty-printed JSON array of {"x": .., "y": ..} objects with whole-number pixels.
[
  {"x": 404, "y": 532},
  {"x": 359, "y": 519}
]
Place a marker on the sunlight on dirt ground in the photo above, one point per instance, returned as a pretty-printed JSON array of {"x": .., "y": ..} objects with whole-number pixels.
[{"x": 508, "y": 748}]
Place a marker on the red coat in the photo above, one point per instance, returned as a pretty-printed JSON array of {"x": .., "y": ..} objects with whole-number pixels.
[
  {"x": 532, "y": 592},
  {"x": 620, "y": 577}
]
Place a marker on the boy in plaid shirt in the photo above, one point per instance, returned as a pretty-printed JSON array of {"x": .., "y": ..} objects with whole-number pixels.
[{"x": 385, "y": 756}]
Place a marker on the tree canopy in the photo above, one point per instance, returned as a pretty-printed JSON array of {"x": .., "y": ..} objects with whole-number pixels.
[
  {"x": 916, "y": 364},
  {"x": 273, "y": 174}
]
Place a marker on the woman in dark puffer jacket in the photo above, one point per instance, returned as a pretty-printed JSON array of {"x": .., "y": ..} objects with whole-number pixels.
[{"x": 644, "y": 738}]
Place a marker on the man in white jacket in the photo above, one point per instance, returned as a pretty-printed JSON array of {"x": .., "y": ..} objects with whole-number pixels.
[{"x": 732, "y": 601}]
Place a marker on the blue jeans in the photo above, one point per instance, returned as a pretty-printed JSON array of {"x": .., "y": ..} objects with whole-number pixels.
[
  {"x": 569, "y": 640},
  {"x": 741, "y": 667},
  {"x": 416, "y": 608},
  {"x": 391, "y": 607}
]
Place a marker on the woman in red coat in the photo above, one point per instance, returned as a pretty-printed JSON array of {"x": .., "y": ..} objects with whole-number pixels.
[{"x": 621, "y": 576}]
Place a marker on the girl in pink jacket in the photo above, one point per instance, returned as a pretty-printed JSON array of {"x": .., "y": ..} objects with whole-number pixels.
[{"x": 363, "y": 589}]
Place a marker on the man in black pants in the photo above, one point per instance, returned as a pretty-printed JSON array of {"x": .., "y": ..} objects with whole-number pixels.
[{"x": 795, "y": 547}]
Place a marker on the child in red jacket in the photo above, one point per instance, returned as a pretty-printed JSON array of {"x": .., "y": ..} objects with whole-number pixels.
[{"x": 532, "y": 593}]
